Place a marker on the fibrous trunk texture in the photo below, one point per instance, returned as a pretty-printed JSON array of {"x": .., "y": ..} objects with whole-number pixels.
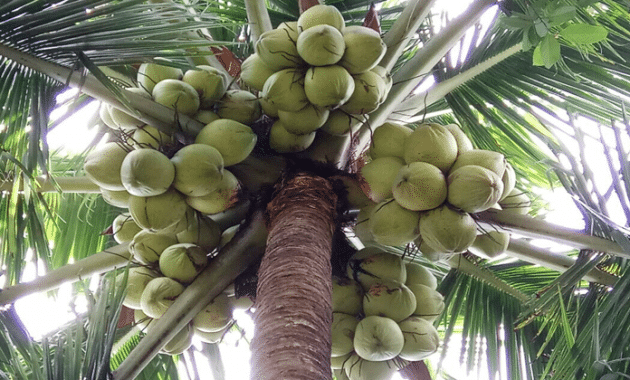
[{"x": 293, "y": 302}]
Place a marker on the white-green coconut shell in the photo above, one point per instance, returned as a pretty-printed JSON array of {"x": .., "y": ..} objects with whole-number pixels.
[
  {"x": 388, "y": 140},
  {"x": 178, "y": 95},
  {"x": 146, "y": 246},
  {"x": 367, "y": 94},
  {"x": 218, "y": 200},
  {"x": 277, "y": 49},
  {"x": 149, "y": 74},
  {"x": 149, "y": 137},
  {"x": 429, "y": 303},
  {"x": 159, "y": 294},
  {"x": 392, "y": 224},
  {"x": 137, "y": 280},
  {"x": 234, "y": 140},
  {"x": 328, "y": 86},
  {"x": 124, "y": 228},
  {"x": 421, "y": 339},
  {"x": 447, "y": 230},
  {"x": 116, "y": 198},
  {"x": 463, "y": 142},
  {"x": 215, "y": 316},
  {"x": 283, "y": 141},
  {"x": 431, "y": 143},
  {"x": 198, "y": 169},
  {"x": 389, "y": 298},
  {"x": 239, "y": 105},
  {"x": 158, "y": 212},
  {"x": 102, "y": 165},
  {"x": 321, "y": 45},
  {"x": 364, "y": 49},
  {"x": 418, "y": 274},
  {"x": 183, "y": 261},
  {"x": 378, "y": 338},
  {"x": 347, "y": 296},
  {"x": 419, "y": 186},
  {"x": 285, "y": 90},
  {"x": 210, "y": 83},
  {"x": 340, "y": 123},
  {"x": 342, "y": 331},
  {"x": 304, "y": 121},
  {"x": 490, "y": 244},
  {"x": 254, "y": 72},
  {"x": 370, "y": 265},
  {"x": 146, "y": 172},
  {"x": 473, "y": 188},
  {"x": 321, "y": 14},
  {"x": 202, "y": 231},
  {"x": 378, "y": 177}
]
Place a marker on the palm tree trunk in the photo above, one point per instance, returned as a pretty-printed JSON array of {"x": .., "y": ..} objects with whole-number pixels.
[{"x": 293, "y": 302}]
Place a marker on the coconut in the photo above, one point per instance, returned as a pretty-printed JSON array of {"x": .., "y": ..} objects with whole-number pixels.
[
  {"x": 342, "y": 331},
  {"x": 201, "y": 231},
  {"x": 268, "y": 109},
  {"x": 137, "y": 280},
  {"x": 418, "y": 274},
  {"x": 419, "y": 186},
  {"x": 328, "y": 86},
  {"x": 254, "y": 72},
  {"x": 493, "y": 161},
  {"x": 429, "y": 303},
  {"x": 509, "y": 180},
  {"x": 209, "y": 82},
  {"x": 198, "y": 169},
  {"x": 340, "y": 123},
  {"x": 183, "y": 223},
  {"x": 220, "y": 199},
  {"x": 473, "y": 188},
  {"x": 391, "y": 224},
  {"x": 159, "y": 295},
  {"x": 364, "y": 49},
  {"x": 388, "y": 140},
  {"x": 141, "y": 319},
  {"x": 240, "y": 303},
  {"x": 367, "y": 94},
  {"x": 336, "y": 362},
  {"x": 347, "y": 296},
  {"x": 516, "y": 202},
  {"x": 447, "y": 230},
  {"x": 320, "y": 14},
  {"x": 491, "y": 244},
  {"x": 215, "y": 316},
  {"x": 124, "y": 228},
  {"x": 146, "y": 172},
  {"x": 430, "y": 253},
  {"x": 183, "y": 261},
  {"x": 387, "y": 79},
  {"x": 124, "y": 120},
  {"x": 369, "y": 265},
  {"x": 210, "y": 337},
  {"x": 321, "y": 45},
  {"x": 149, "y": 74},
  {"x": 147, "y": 246},
  {"x": 291, "y": 28},
  {"x": 304, "y": 121},
  {"x": 234, "y": 140},
  {"x": 206, "y": 116},
  {"x": 159, "y": 211},
  {"x": 431, "y": 143},
  {"x": 179, "y": 343},
  {"x": 283, "y": 141},
  {"x": 354, "y": 194},
  {"x": 102, "y": 166},
  {"x": 149, "y": 137},
  {"x": 239, "y": 105},
  {"x": 285, "y": 90},
  {"x": 104, "y": 113},
  {"x": 177, "y": 94},
  {"x": 116, "y": 198},
  {"x": 389, "y": 298},
  {"x": 378, "y": 338},
  {"x": 357, "y": 368},
  {"x": 377, "y": 177},
  {"x": 463, "y": 142},
  {"x": 277, "y": 50},
  {"x": 421, "y": 339},
  {"x": 362, "y": 225}
]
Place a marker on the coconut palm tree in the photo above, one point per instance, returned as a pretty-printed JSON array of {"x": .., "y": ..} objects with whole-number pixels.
[{"x": 522, "y": 83}]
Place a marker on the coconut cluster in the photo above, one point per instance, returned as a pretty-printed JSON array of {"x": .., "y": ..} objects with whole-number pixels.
[
  {"x": 170, "y": 263},
  {"x": 425, "y": 183},
  {"x": 383, "y": 315},
  {"x": 316, "y": 73}
]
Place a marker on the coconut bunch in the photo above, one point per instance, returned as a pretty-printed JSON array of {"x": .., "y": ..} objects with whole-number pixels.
[
  {"x": 425, "y": 184},
  {"x": 383, "y": 315},
  {"x": 316, "y": 73}
]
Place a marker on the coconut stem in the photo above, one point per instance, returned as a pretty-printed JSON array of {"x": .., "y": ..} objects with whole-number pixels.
[
  {"x": 526, "y": 252},
  {"x": 416, "y": 103},
  {"x": 105, "y": 261},
  {"x": 403, "y": 29},
  {"x": 246, "y": 247},
  {"x": 535, "y": 228},
  {"x": 258, "y": 18},
  {"x": 163, "y": 118},
  {"x": 82, "y": 185}
]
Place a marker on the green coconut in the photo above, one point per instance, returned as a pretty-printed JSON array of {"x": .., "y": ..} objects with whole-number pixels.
[
  {"x": 304, "y": 121},
  {"x": 389, "y": 298},
  {"x": 429, "y": 303},
  {"x": 149, "y": 137},
  {"x": 362, "y": 225},
  {"x": 283, "y": 141},
  {"x": 146, "y": 172},
  {"x": 240, "y": 303},
  {"x": 149, "y": 74},
  {"x": 147, "y": 246},
  {"x": 378, "y": 338},
  {"x": 220, "y": 199},
  {"x": 183, "y": 261},
  {"x": 418, "y": 274},
  {"x": 124, "y": 228},
  {"x": 179, "y": 343},
  {"x": 463, "y": 142},
  {"x": 347, "y": 296},
  {"x": 209, "y": 82},
  {"x": 392, "y": 224},
  {"x": 178, "y": 95},
  {"x": 328, "y": 86},
  {"x": 364, "y": 49},
  {"x": 124, "y": 120},
  {"x": 378, "y": 177},
  {"x": 137, "y": 280},
  {"x": 387, "y": 79},
  {"x": 491, "y": 244},
  {"x": 419, "y": 186},
  {"x": 215, "y": 316},
  {"x": 285, "y": 90},
  {"x": 473, "y": 188},
  {"x": 202, "y": 231},
  {"x": 206, "y": 116},
  {"x": 516, "y": 202},
  {"x": 198, "y": 169},
  {"x": 367, "y": 94},
  {"x": 210, "y": 337},
  {"x": 321, "y": 45},
  {"x": 158, "y": 212},
  {"x": 159, "y": 294},
  {"x": 234, "y": 140},
  {"x": 142, "y": 321},
  {"x": 357, "y": 368},
  {"x": 421, "y": 339},
  {"x": 268, "y": 109},
  {"x": 491, "y": 160},
  {"x": 509, "y": 180},
  {"x": 254, "y": 72},
  {"x": 354, "y": 194},
  {"x": 321, "y": 14},
  {"x": 104, "y": 113},
  {"x": 182, "y": 224},
  {"x": 447, "y": 230},
  {"x": 239, "y": 105},
  {"x": 340, "y": 123},
  {"x": 342, "y": 332},
  {"x": 291, "y": 28},
  {"x": 336, "y": 363},
  {"x": 388, "y": 140},
  {"x": 369, "y": 265},
  {"x": 102, "y": 166},
  {"x": 431, "y": 143},
  {"x": 277, "y": 49},
  {"x": 116, "y": 198}
]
